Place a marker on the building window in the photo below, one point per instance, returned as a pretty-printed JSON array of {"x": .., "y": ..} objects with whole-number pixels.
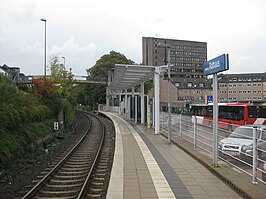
[
  {"x": 177, "y": 84},
  {"x": 201, "y": 85}
]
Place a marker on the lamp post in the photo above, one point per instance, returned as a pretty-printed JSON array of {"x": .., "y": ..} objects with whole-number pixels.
[
  {"x": 44, "y": 20},
  {"x": 167, "y": 46},
  {"x": 64, "y": 58}
]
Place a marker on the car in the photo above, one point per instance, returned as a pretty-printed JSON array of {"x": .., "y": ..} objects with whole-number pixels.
[
  {"x": 247, "y": 152},
  {"x": 262, "y": 161},
  {"x": 240, "y": 142},
  {"x": 263, "y": 175}
]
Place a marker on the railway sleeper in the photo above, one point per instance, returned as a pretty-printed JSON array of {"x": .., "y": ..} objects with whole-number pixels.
[
  {"x": 100, "y": 170},
  {"x": 82, "y": 153},
  {"x": 79, "y": 158},
  {"x": 45, "y": 171},
  {"x": 105, "y": 167},
  {"x": 90, "y": 195},
  {"x": 72, "y": 172},
  {"x": 99, "y": 174},
  {"x": 102, "y": 167},
  {"x": 74, "y": 169},
  {"x": 62, "y": 197},
  {"x": 49, "y": 194},
  {"x": 74, "y": 181},
  {"x": 96, "y": 190},
  {"x": 63, "y": 186},
  {"x": 104, "y": 157},
  {"x": 70, "y": 176},
  {"x": 103, "y": 162},
  {"x": 41, "y": 176},
  {"x": 97, "y": 183},
  {"x": 75, "y": 166},
  {"x": 79, "y": 161},
  {"x": 99, "y": 179}
]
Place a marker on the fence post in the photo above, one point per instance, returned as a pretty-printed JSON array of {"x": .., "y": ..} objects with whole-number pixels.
[
  {"x": 254, "y": 158},
  {"x": 180, "y": 125},
  {"x": 194, "y": 129}
]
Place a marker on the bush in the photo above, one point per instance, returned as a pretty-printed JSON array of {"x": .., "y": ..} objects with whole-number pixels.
[
  {"x": 11, "y": 142},
  {"x": 68, "y": 109},
  {"x": 23, "y": 118}
]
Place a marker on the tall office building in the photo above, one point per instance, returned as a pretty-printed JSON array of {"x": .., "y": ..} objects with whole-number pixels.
[{"x": 187, "y": 57}]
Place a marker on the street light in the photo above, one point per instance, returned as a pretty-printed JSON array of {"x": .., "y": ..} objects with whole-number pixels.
[
  {"x": 44, "y": 20},
  {"x": 64, "y": 58},
  {"x": 168, "y": 48}
]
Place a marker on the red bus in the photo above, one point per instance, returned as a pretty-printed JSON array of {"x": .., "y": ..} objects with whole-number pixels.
[{"x": 230, "y": 115}]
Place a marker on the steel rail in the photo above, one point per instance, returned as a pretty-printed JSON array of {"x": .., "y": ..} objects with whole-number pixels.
[
  {"x": 38, "y": 186},
  {"x": 83, "y": 189}
]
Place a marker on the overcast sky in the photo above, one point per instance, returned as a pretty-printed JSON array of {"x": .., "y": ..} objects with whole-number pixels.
[{"x": 84, "y": 30}]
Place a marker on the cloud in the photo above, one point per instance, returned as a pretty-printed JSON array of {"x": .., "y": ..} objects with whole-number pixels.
[
  {"x": 78, "y": 58},
  {"x": 82, "y": 31}
]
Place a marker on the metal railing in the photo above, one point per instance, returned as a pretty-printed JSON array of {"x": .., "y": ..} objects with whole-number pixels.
[{"x": 199, "y": 132}]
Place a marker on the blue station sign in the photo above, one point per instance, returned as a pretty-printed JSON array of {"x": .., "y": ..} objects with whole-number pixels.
[{"x": 218, "y": 64}]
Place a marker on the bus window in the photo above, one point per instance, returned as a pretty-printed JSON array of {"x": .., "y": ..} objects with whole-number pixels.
[
  {"x": 231, "y": 112},
  {"x": 257, "y": 111}
]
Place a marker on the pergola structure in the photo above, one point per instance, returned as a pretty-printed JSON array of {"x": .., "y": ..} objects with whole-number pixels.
[{"x": 128, "y": 77}]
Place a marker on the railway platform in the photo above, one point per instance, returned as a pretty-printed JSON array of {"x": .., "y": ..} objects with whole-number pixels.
[{"x": 146, "y": 166}]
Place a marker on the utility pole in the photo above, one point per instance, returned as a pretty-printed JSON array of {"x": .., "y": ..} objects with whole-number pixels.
[{"x": 168, "y": 48}]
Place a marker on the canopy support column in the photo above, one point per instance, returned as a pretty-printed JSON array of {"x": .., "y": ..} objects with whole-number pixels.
[
  {"x": 136, "y": 109},
  {"x": 142, "y": 102},
  {"x": 119, "y": 103},
  {"x": 157, "y": 99},
  {"x": 126, "y": 106}
]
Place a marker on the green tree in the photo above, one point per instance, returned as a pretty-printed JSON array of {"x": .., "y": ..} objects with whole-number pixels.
[
  {"x": 57, "y": 90},
  {"x": 63, "y": 88},
  {"x": 63, "y": 80},
  {"x": 8, "y": 89},
  {"x": 92, "y": 95},
  {"x": 107, "y": 61}
]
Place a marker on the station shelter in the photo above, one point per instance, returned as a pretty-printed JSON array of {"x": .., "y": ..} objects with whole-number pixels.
[{"x": 126, "y": 83}]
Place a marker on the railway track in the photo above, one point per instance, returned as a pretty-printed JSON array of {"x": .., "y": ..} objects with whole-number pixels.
[{"x": 85, "y": 171}]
